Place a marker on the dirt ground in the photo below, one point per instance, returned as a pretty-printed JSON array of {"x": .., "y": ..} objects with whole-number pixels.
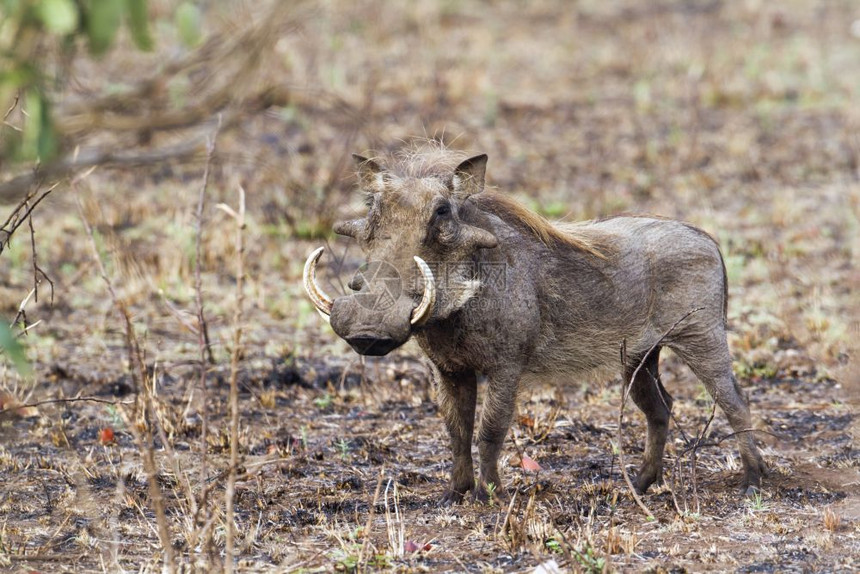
[{"x": 739, "y": 117}]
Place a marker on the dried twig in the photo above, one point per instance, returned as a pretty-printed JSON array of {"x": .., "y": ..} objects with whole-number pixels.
[
  {"x": 203, "y": 334},
  {"x": 36, "y": 269},
  {"x": 699, "y": 437},
  {"x": 68, "y": 400},
  {"x": 370, "y": 513},
  {"x": 204, "y": 346},
  {"x": 628, "y": 385},
  {"x": 235, "y": 354},
  {"x": 12, "y": 109},
  {"x": 10, "y": 190},
  {"x": 20, "y": 214}
]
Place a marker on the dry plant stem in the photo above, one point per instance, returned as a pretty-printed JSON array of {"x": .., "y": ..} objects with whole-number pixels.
[
  {"x": 21, "y": 315},
  {"x": 11, "y": 108},
  {"x": 203, "y": 332},
  {"x": 693, "y": 448},
  {"x": 145, "y": 442},
  {"x": 204, "y": 346},
  {"x": 627, "y": 386},
  {"x": 68, "y": 400},
  {"x": 501, "y": 531},
  {"x": 20, "y": 214},
  {"x": 619, "y": 437},
  {"x": 36, "y": 269},
  {"x": 370, "y": 512},
  {"x": 11, "y": 189},
  {"x": 234, "y": 376},
  {"x": 699, "y": 438}
]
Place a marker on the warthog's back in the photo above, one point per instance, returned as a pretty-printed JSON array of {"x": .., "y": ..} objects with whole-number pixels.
[{"x": 655, "y": 272}]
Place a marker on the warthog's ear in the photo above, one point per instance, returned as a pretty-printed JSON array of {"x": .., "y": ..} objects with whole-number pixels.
[
  {"x": 354, "y": 228},
  {"x": 477, "y": 237},
  {"x": 370, "y": 174},
  {"x": 469, "y": 176}
]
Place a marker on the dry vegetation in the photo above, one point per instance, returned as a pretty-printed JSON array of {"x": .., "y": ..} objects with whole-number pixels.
[{"x": 740, "y": 117}]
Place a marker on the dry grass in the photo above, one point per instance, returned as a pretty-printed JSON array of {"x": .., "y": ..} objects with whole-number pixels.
[{"x": 738, "y": 117}]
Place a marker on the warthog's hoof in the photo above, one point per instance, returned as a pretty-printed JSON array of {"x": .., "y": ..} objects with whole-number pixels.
[
  {"x": 750, "y": 490},
  {"x": 647, "y": 477},
  {"x": 483, "y": 495},
  {"x": 451, "y": 497},
  {"x": 751, "y": 484}
]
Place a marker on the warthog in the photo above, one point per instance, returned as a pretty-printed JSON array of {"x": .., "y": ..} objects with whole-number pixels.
[{"x": 487, "y": 286}]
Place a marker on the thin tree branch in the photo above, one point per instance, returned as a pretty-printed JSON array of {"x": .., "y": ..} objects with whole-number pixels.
[
  {"x": 69, "y": 400},
  {"x": 235, "y": 354},
  {"x": 628, "y": 385}
]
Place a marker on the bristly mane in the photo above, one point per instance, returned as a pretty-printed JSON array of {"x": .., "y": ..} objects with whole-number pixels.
[
  {"x": 430, "y": 158},
  {"x": 514, "y": 213},
  {"x": 423, "y": 158}
]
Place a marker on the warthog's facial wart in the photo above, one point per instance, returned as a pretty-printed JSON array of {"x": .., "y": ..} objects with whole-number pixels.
[{"x": 372, "y": 343}]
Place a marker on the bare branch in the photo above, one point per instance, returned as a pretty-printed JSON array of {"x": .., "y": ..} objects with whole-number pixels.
[
  {"x": 204, "y": 346},
  {"x": 37, "y": 271},
  {"x": 19, "y": 215},
  {"x": 235, "y": 354},
  {"x": 370, "y": 512},
  {"x": 626, "y": 392},
  {"x": 57, "y": 401},
  {"x": 10, "y": 190},
  {"x": 619, "y": 436}
]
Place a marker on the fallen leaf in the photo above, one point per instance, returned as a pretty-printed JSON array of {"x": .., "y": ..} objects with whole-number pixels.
[
  {"x": 106, "y": 436},
  {"x": 530, "y": 465}
]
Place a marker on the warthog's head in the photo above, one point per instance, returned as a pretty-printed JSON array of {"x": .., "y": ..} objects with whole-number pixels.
[{"x": 414, "y": 224}]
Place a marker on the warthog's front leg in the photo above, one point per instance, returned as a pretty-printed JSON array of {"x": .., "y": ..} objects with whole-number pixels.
[
  {"x": 457, "y": 395},
  {"x": 496, "y": 414}
]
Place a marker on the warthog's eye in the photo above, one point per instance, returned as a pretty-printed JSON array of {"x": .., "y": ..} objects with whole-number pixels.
[{"x": 443, "y": 210}]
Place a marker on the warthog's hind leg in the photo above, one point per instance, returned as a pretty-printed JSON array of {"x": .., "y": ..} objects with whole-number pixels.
[
  {"x": 457, "y": 395},
  {"x": 714, "y": 369},
  {"x": 652, "y": 399}
]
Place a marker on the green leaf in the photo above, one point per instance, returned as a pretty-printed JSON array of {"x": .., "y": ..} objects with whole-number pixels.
[
  {"x": 47, "y": 141},
  {"x": 138, "y": 24},
  {"x": 38, "y": 140},
  {"x": 13, "y": 350},
  {"x": 103, "y": 20},
  {"x": 188, "y": 23},
  {"x": 59, "y": 16}
]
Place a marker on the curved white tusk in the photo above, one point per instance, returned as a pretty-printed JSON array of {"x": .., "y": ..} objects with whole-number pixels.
[
  {"x": 425, "y": 308},
  {"x": 321, "y": 301}
]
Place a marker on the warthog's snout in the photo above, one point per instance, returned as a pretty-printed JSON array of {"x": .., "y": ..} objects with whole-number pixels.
[
  {"x": 372, "y": 344},
  {"x": 377, "y": 319}
]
